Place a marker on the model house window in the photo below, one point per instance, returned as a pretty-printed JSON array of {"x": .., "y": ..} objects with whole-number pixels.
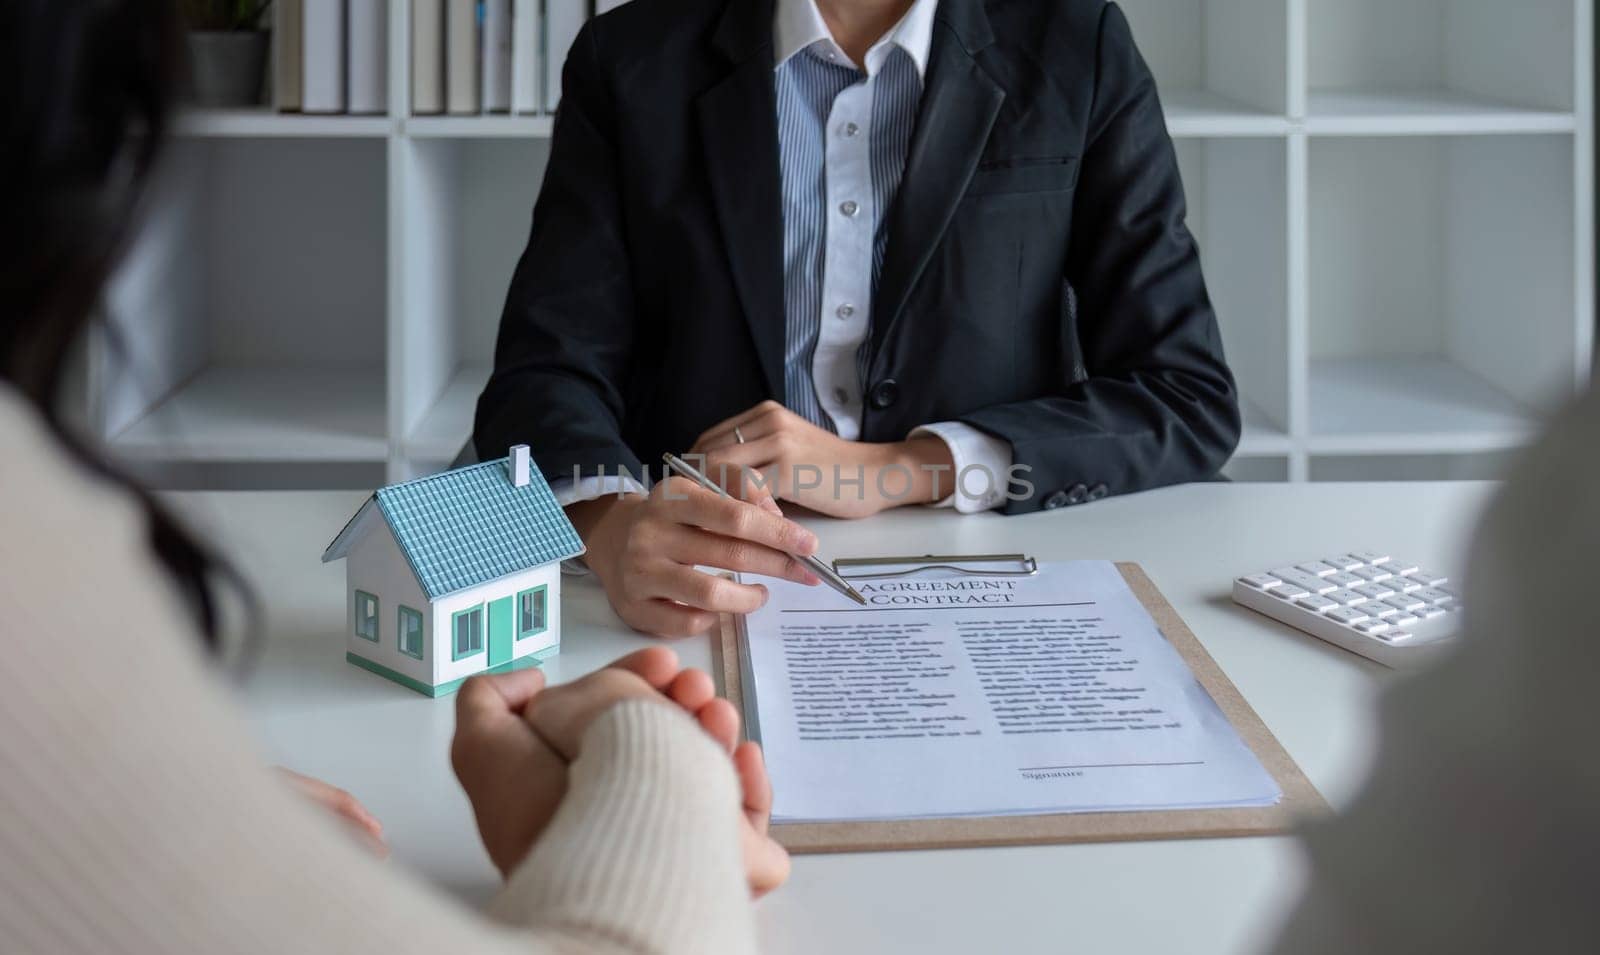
[
  {"x": 531, "y": 617},
  {"x": 366, "y": 616},
  {"x": 410, "y": 632},
  {"x": 468, "y": 628}
]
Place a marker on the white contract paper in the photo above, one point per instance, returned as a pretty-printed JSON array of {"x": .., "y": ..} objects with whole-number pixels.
[{"x": 956, "y": 694}]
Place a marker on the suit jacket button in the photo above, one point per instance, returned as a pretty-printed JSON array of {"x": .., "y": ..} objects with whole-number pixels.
[
  {"x": 1098, "y": 492},
  {"x": 885, "y": 393},
  {"x": 1056, "y": 500},
  {"x": 1078, "y": 494}
]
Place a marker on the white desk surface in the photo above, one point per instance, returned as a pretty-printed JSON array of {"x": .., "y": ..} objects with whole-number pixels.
[{"x": 388, "y": 746}]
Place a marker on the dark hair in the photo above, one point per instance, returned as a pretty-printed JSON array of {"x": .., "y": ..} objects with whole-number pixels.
[{"x": 89, "y": 87}]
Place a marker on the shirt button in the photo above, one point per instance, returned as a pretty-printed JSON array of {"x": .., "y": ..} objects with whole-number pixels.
[
  {"x": 841, "y": 396},
  {"x": 849, "y": 208},
  {"x": 1056, "y": 501},
  {"x": 845, "y": 311},
  {"x": 849, "y": 131},
  {"x": 885, "y": 393}
]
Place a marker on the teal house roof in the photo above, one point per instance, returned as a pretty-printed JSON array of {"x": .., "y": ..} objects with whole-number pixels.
[{"x": 468, "y": 527}]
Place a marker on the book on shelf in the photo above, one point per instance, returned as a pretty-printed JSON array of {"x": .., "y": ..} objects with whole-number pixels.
[
  {"x": 427, "y": 56},
  {"x": 497, "y": 51},
  {"x": 287, "y": 58},
  {"x": 461, "y": 56},
  {"x": 563, "y": 20},
  {"x": 367, "y": 61},
  {"x": 323, "y": 49},
  {"x": 527, "y": 32}
]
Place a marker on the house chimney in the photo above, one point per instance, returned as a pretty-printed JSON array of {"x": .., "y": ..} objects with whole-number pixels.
[{"x": 519, "y": 465}]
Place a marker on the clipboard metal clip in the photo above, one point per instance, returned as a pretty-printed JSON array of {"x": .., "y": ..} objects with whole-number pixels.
[{"x": 956, "y": 563}]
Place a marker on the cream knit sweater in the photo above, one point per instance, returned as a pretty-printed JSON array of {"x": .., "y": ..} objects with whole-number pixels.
[{"x": 136, "y": 816}]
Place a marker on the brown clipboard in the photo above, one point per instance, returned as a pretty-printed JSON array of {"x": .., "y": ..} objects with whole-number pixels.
[{"x": 1300, "y": 798}]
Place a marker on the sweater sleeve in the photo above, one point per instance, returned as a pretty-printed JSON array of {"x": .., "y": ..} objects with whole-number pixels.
[
  {"x": 135, "y": 814},
  {"x": 652, "y": 806}
]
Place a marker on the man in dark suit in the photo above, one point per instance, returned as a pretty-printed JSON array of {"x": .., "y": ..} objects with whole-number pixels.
[{"x": 876, "y": 252}]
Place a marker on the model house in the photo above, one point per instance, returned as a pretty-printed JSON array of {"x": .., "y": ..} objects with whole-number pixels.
[{"x": 455, "y": 574}]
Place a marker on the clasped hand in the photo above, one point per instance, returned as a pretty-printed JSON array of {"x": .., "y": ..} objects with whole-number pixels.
[{"x": 515, "y": 741}]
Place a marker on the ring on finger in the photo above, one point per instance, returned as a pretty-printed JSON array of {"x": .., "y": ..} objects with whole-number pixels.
[{"x": 738, "y": 435}]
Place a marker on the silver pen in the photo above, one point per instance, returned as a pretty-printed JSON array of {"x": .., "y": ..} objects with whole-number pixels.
[{"x": 685, "y": 469}]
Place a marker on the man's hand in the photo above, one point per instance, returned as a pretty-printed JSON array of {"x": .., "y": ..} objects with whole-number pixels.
[
  {"x": 816, "y": 468},
  {"x": 645, "y": 550}
]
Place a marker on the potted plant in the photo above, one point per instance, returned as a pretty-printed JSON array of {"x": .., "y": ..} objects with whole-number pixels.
[{"x": 227, "y": 50}]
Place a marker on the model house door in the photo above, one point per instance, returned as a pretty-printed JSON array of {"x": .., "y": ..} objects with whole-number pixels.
[{"x": 500, "y": 632}]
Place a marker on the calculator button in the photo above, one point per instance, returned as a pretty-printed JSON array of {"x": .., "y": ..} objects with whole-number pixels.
[
  {"x": 1347, "y": 598},
  {"x": 1343, "y": 562},
  {"x": 1371, "y": 574},
  {"x": 1379, "y": 608},
  {"x": 1400, "y": 568},
  {"x": 1344, "y": 580},
  {"x": 1433, "y": 595},
  {"x": 1299, "y": 578},
  {"x": 1260, "y": 581},
  {"x": 1347, "y": 615},
  {"x": 1374, "y": 591},
  {"x": 1428, "y": 613},
  {"x": 1404, "y": 585},
  {"x": 1370, "y": 556},
  {"x": 1404, "y": 602},
  {"x": 1372, "y": 626},
  {"x": 1396, "y": 636},
  {"x": 1288, "y": 592},
  {"x": 1319, "y": 604},
  {"x": 1427, "y": 579},
  {"x": 1317, "y": 568},
  {"x": 1402, "y": 620}
]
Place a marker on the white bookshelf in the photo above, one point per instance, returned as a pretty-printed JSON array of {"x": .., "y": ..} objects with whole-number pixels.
[{"x": 1394, "y": 201}]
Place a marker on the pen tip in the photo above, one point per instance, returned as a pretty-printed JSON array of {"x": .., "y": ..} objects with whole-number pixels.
[{"x": 856, "y": 596}]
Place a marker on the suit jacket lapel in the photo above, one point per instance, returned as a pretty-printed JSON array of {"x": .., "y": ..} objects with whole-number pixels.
[
  {"x": 959, "y": 104},
  {"x": 739, "y": 129}
]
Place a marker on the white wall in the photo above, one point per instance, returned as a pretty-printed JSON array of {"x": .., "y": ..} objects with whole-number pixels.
[
  {"x": 296, "y": 244},
  {"x": 470, "y": 206},
  {"x": 446, "y": 669},
  {"x": 376, "y": 565},
  {"x": 1378, "y": 247},
  {"x": 1235, "y": 48},
  {"x": 1508, "y": 286},
  {"x": 156, "y": 303}
]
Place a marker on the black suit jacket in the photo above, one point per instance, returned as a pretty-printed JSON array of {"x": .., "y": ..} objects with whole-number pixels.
[{"x": 1039, "y": 283}]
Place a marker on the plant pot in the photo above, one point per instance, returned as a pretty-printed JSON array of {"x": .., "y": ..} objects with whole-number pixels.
[{"x": 228, "y": 68}]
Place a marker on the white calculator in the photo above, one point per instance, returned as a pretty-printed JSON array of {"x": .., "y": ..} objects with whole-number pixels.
[{"x": 1368, "y": 602}]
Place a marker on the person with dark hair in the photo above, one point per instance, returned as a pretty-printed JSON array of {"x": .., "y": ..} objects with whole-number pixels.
[{"x": 133, "y": 816}]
